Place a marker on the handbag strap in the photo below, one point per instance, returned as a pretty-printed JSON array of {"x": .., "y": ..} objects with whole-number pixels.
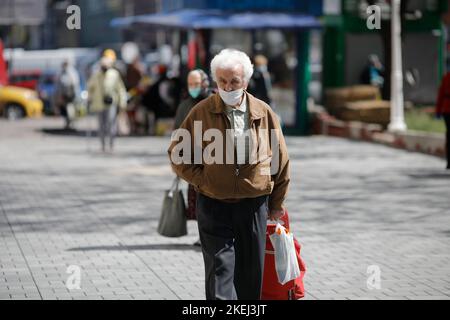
[
  {"x": 175, "y": 183},
  {"x": 174, "y": 188}
]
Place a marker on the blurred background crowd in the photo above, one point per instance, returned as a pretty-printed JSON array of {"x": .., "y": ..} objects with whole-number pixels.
[{"x": 305, "y": 53}]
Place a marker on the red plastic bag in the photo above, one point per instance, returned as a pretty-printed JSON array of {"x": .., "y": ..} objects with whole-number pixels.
[{"x": 272, "y": 289}]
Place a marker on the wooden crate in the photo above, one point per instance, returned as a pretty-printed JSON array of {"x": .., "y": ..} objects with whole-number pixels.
[
  {"x": 368, "y": 111},
  {"x": 336, "y": 98}
]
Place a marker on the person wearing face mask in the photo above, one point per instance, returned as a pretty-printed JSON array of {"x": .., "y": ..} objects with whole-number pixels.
[
  {"x": 237, "y": 192},
  {"x": 261, "y": 84},
  {"x": 107, "y": 95},
  {"x": 198, "y": 88}
]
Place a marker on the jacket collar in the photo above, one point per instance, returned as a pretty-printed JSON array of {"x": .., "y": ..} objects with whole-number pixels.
[{"x": 255, "y": 107}]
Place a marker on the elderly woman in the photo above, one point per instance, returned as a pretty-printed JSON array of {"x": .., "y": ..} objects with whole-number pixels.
[{"x": 237, "y": 193}]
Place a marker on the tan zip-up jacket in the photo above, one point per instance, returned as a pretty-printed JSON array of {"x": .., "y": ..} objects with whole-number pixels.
[{"x": 229, "y": 180}]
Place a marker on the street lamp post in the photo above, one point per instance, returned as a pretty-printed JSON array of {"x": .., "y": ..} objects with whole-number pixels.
[{"x": 397, "y": 114}]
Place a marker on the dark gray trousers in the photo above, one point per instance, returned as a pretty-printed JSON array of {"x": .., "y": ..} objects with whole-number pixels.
[
  {"x": 107, "y": 122},
  {"x": 233, "y": 237},
  {"x": 447, "y": 125}
]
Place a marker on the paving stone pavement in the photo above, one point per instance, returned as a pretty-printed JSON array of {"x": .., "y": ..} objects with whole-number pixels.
[{"x": 357, "y": 209}]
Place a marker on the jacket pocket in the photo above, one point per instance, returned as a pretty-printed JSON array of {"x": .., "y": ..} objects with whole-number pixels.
[
  {"x": 218, "y": 181},
  {"x": 256, "y": 178}
]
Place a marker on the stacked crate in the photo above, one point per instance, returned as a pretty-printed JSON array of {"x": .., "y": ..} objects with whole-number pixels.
[{"x": 358, "y": 103}]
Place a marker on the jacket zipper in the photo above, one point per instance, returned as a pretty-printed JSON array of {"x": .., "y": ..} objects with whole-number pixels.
[{"x": 236, "y": 169}]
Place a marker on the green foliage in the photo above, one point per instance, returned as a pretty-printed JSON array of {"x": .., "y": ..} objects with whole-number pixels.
[{"x": 424, "y": 121}]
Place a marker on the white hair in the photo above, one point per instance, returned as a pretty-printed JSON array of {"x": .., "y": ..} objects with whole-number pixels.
[
  {"x": 228, "y": 59},
  {"x": 203, "y": 76}
]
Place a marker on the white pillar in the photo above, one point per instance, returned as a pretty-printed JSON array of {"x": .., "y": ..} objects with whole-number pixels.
[{"x": 397, "y": 113}]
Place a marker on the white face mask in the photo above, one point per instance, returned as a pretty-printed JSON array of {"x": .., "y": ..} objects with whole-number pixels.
[
  {"x": 263, "y": 68},
  {"x": 231, "y": 98}
]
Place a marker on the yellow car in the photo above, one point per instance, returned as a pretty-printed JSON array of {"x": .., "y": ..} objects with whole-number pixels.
[{"x": 18, "y": 102}]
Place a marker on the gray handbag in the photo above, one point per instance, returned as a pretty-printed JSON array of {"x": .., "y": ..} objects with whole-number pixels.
[{"x": 172, "y": 222}]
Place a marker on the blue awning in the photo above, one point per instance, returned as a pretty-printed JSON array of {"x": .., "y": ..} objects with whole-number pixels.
[{"x": 217, "y": 19}]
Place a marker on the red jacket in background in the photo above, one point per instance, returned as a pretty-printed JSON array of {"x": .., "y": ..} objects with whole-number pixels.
[
  {"x": 3, "y": 68},
  {"x": 443, "y": 100}
]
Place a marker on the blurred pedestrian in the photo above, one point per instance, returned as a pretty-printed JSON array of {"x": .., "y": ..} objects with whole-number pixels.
[
  {"x": 107, "y": 95},
  {"x": 136, "y": 113},
  {"x": 443, "y": 110},
  {"x": 134, "y": 74},
  {"x": 373, "y": 72},
  {"x": 198, "y": 87},
  {"x": 67, "y": 92},
  {"x": 236, "y": 194},
  {"x": 261, "y": 84},
  {"x": 163, "y": 96}
]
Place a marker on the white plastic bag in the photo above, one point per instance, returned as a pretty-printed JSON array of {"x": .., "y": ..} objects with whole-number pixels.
[{"x": 286, "y": 263}]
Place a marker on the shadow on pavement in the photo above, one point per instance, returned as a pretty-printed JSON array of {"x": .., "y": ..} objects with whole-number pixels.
[
  {"x": 68, "y": 132},
  {"x": 428, "y": 173},
  {"x": 140, "y": 247},
  {"x": 91, "y": 133}
]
